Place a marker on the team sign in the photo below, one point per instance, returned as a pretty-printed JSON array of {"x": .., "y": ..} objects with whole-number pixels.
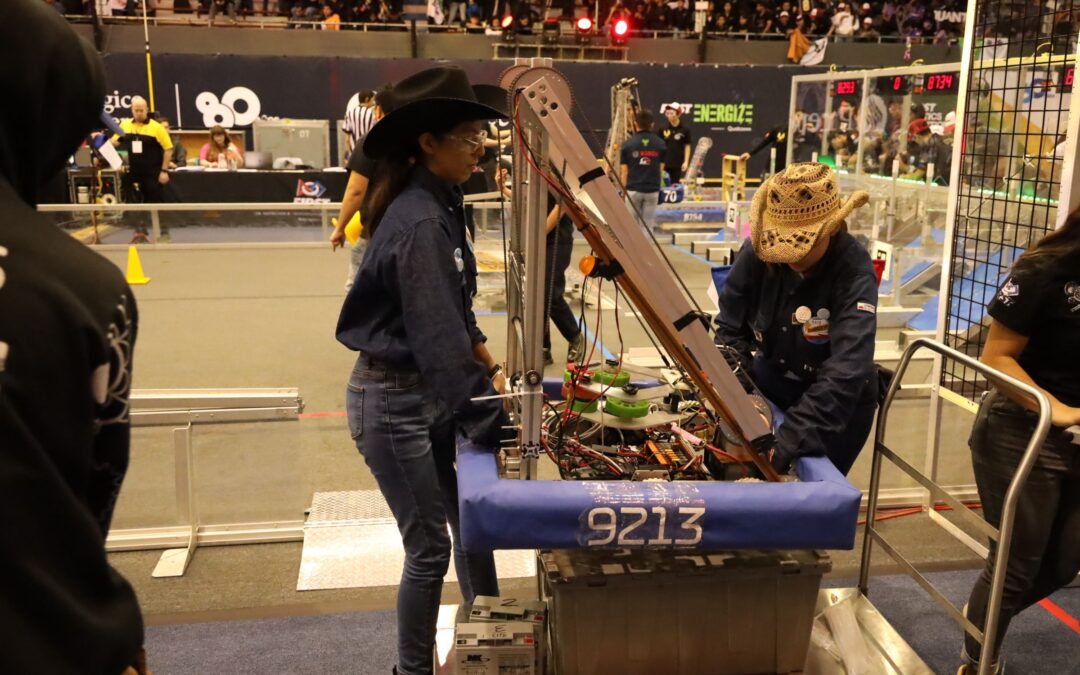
[{"x": 724, "y": 113}]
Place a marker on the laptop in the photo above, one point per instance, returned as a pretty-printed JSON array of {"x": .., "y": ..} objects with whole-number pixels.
[{"x": 258, "y": 160}]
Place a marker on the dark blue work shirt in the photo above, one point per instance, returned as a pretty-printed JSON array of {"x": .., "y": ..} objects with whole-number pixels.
[
  {"x": 643, "y": 155},
  {"x": 411, "y": 304},
  {"x": 809, "y": 343}
]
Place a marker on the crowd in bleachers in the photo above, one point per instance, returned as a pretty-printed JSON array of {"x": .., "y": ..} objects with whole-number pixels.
[{"x": 925, "y": 20}]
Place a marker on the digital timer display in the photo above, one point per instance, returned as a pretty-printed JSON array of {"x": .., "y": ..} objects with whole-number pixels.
[
  {"x": 847, "y": 87},
  {"x": 943, "y": 82},
  {"x": 897, "y": 85},
  {"x": 1067, "y": 79}
]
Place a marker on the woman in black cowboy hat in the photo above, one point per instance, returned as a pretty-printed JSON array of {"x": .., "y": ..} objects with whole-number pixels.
[{"x": 422, "y": 357}]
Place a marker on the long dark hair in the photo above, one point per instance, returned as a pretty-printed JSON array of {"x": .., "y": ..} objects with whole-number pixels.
[
  {"x": 392, "y": 172},
  {"x": 1061, "y": 243}
]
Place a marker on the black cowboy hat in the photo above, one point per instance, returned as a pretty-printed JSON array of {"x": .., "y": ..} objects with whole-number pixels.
[{"x": 435, "y": 93}]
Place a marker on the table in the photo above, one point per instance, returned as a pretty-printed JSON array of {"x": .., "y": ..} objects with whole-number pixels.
[{"x": 255, "y": 186}]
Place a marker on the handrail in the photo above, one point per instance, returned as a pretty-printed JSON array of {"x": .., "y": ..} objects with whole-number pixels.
[{"x": 988, "y": 638}]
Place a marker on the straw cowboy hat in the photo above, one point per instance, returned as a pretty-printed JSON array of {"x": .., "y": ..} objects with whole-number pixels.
[
  {"x": 432, "y": 94},
  {"x": 793, "y": 208}
]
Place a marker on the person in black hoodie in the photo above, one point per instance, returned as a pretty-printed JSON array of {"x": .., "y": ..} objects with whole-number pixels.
[{"x": 67, "y": 330}]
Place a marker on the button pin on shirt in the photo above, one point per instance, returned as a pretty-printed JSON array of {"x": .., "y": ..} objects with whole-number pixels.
[{"x": 459, "y": 261}]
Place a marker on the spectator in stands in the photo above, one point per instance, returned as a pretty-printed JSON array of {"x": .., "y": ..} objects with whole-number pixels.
[
  {"x": 227, "y": 5},
  {"x": 866, "y": 11},
  {"x": 639, "y": 19},
  {"x": 357, "y": 11},
  {"x": 945, "y": 34},
  {"x": 457, "y": 7},
  {"x": 867, "y": 32},
  {"x": 816, "y": 23},
  {"x": 220, "y": 152},
  {"x": 931, "y": 149},
  {"x": 641, "y": 158},
  {"x": 720, "y": 24},
  {"x": 179, "y": 154},
  {"x": 67, "y": 338},
  {"x": 359, "y": 119},
  {"x": 618, "y": 11},
  {"x": 296, "y": 16},
  {"x": 682, "y": 19},
  {"x": 659, "y": 15},
  {"x": 784, "y": 24},
  {"x": 743, "y": 26},
  {"x": 728, "y": 11},
  {"x": 474, "y": 14},
  {"x": 843, "y": 24},
  {"x": 331, "y": 19},
  {"x": 149, "y": 151},
  {"x": 762, "y": 19},
  {"x": 1033, "y": 333}
]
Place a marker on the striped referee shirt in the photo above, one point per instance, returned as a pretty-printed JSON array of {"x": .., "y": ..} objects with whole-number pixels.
[{"x": 358, "y": 121}]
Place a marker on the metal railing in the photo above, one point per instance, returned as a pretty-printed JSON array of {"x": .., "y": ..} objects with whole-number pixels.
[
  {"x": 184, "y": 409},
  {"x": 280, "y": 21},
  {"x": 1002, "y": 535}
]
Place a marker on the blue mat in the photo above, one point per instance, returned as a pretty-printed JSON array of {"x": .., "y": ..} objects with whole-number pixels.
[
  {"x": 972, "y": 293},
  {"x": 1036, "y": 643}
]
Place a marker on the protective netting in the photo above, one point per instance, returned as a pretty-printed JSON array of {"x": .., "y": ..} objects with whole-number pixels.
[{"x": 1014, "y": 140}]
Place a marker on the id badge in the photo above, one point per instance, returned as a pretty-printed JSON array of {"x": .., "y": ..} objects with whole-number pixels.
[{"x": 136, "y": 147}]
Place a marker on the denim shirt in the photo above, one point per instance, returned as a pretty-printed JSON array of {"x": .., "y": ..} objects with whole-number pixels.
[
  {"x": 808, "y": 340},
  {"x": 411, "y": 304}
]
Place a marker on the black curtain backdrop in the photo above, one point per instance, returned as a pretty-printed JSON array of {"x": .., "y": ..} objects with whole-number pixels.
[{"x": 734, "y": 105}]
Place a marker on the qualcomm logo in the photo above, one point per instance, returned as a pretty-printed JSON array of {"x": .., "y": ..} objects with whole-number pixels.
[
  {"x": 238, "y": 107},
  {"x": 310, "y": 191}
]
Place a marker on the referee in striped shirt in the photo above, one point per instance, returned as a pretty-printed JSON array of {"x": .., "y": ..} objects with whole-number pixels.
[{"x": 360, "y": 118}]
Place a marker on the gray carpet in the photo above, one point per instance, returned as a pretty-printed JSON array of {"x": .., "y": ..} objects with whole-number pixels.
[
  {"x": 364, "y": 642},
  {"x": 361, "y": 643}
]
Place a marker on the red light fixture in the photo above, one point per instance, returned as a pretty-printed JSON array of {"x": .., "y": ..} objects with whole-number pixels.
[
  {"x": 584, "y": 24},
  {"x": 507, "y": 21},
  {"x": 620, "y": 31}
]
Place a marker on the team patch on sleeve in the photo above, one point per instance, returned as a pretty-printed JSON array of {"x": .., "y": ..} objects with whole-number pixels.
[{"x": 866, "y": 307}]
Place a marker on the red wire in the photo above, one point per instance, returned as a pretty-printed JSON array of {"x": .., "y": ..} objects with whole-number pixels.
[{"x": 900, "y": 513}]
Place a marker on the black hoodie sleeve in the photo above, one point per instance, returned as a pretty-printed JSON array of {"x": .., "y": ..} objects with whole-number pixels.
[{"x": 67, "y": 331}]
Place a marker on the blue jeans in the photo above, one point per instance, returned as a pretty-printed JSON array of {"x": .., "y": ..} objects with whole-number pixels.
[
  {"x": 408, "y": 439},
  {"x": 1045, "y": 552},
  {"x": 645, "y": 203}
]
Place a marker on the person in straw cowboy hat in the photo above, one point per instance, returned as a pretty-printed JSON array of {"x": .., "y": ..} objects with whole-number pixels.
[
  {"x": 422, "y": 359},
  {"x": 799, "y": 312}
]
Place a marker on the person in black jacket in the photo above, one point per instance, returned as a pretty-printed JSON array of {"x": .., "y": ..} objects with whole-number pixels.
[
  {"x": 799, "y": 309},
  {"x": 1034, "y": 332},
  {"x": 773, "y": 138},
  {"x": 67, "y": 331},
  {"x": 423, "y": 360}
]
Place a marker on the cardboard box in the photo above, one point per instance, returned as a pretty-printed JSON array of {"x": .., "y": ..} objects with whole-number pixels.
[
  {"x": 504, "y": 648},
  {"x": 488, "y": 609}
]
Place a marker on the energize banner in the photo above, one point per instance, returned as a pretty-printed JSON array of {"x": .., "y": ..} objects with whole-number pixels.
[{"x": 733, "y": 105}]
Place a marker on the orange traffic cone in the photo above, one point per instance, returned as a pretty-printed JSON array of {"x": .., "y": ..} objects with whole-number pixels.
[{"x": 135, "y": 273}]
